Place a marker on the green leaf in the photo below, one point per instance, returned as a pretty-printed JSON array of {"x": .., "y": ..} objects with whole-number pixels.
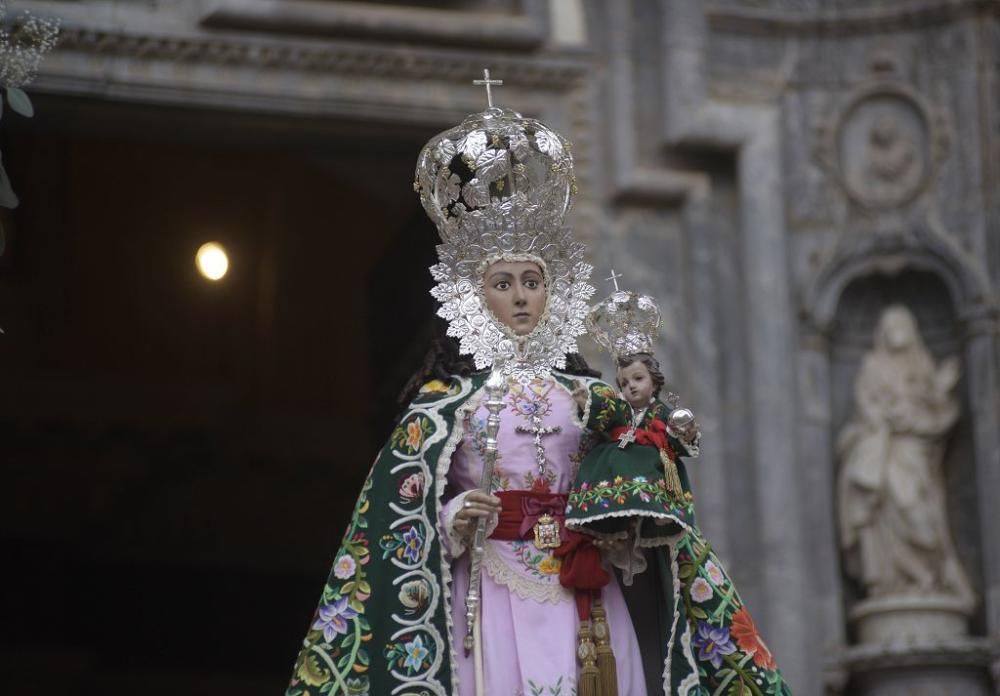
[
  {"x": 348, "y": 641},
  {"x": 8, "y": 199},
  {"x": 363, "y": 656},
  {"x": 363, "y": 623},
  {"x": 738, "y": 688},
  {"x": 686, "y": 571},
  {"x": 20, "y": 102},
  {"x": 698, "y": 613}
]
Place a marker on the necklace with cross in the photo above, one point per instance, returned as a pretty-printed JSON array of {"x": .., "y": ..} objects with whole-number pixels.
[
  {"x": 628, "y": 437},
  {"x": 538, "y": 431},
  {"x": 488, "y": 83}
]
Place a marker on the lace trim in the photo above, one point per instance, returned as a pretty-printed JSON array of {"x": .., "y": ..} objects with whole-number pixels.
[
  {"x": 578, "y": 522},
  {"x": 525, "y": 588},
  {"x": 443, "y": 464},
  {"x": 692, "y": 681}
]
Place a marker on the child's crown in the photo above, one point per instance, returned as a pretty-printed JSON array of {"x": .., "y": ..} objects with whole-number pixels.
[{"x": 625, "y": 322}]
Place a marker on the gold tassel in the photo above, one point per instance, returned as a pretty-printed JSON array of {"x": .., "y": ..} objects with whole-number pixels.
[
  {"x": 606, "y": 664},
  {"x": 671, "y": 478},
  {"x": 589, "y": 683}
]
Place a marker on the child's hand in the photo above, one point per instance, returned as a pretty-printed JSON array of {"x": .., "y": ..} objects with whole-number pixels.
[{"x": 580, "y": 395}]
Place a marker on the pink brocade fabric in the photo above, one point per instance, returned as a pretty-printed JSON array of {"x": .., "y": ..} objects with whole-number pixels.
[{"x": 529, "y": 644}]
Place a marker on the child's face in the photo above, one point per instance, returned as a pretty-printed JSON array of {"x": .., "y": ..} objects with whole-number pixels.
[{"x": 636, "y": 384}]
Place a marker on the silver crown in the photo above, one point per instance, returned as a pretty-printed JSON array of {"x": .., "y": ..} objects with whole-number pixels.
[
  {"x": 498, "y": 187},
  {"x": 625, "y": 323},
  {"x": 497, "y": 171}
]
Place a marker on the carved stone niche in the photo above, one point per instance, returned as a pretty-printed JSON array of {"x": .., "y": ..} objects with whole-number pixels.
[{"x": 902, "y": 638}]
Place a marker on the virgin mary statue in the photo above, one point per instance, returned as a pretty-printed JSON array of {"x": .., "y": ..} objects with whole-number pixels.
[{"x": 413, "y": 604}]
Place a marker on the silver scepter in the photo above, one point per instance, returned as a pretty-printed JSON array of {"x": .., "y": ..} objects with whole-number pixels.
[{"x": 496, "y": 388}]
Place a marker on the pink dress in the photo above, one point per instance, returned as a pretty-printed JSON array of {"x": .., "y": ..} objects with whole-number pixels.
[{"x": 528, "y": 620}]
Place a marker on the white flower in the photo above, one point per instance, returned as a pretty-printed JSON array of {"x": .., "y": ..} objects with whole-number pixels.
[
  {"x": 701, "y": 591},
  {"x": 715, "y": 573},
  {"x": 344, "y": 567}
]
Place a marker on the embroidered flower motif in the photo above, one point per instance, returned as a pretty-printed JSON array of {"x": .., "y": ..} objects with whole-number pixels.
[
  {"x": 550, "y": 566},
  {"x": 744, "y": 630},
  {"x": 412, "y": 543},
  {"x": 344, "y": 567},
  {"x": 412, "y": 486},
  {"x": 618, "y": 480},
  {"x": 701, "y": 591},
  {"x": 414, "y": 594},
  {"x": 644, "y": 496},
  {"x": 715, "y": 573},
  {"x": 435, "y": 386},
  {"x": 414, "y": 435},
  {"x": 333, "y": 618},
  {"x": 358, "y": 686},
  {"x": 540, "y": 485},
  {"x": 310, "y": 672},
  {"x": 416, "y": 653},
  {"x": 604, "y": 391},
  {"x": 713, "y": 643},
  {"x": 639, "y": 479}
]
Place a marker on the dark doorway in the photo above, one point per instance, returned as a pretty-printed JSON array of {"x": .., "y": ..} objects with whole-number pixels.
[{"x": 180, "y": 457}]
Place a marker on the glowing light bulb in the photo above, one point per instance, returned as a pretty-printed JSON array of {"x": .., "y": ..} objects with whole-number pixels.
[{"x": 212, "y": 260}]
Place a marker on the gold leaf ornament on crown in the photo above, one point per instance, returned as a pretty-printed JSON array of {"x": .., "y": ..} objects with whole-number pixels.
[{"x": 498, "y": 187}]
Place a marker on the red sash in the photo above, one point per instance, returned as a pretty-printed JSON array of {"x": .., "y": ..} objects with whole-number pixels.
[
  {"x": 580, "y": 561},
  {"x": 655, "y": 435}
]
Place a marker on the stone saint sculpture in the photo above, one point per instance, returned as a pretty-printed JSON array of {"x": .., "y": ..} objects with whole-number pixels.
[{"x": 891, "y": 493}]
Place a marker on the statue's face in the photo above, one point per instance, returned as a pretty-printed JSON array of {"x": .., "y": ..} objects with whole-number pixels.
[
  {"x": 636, "y": 384},
  {"x": 515, "y": 293},
  {"x": 898, "y": 329}
]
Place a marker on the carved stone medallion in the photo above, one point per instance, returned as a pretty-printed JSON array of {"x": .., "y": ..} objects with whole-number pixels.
[{"x": 883, "y": 145}]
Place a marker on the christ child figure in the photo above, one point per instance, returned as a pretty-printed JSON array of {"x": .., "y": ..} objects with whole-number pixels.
[{"x": 632, "y": 490}]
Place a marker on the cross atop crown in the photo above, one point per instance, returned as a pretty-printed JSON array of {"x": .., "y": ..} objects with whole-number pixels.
[{"x": 488, "y": 83}]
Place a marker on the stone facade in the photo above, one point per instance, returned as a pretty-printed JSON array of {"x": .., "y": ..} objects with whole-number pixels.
[{"x": 774, "y": 171}]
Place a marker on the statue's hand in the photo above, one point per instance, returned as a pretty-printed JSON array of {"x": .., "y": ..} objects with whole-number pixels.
[{"x": 475, "y": 506}]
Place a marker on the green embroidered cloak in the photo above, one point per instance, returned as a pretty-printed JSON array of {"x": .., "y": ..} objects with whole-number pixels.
[{"x": 383, "y": 621}]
